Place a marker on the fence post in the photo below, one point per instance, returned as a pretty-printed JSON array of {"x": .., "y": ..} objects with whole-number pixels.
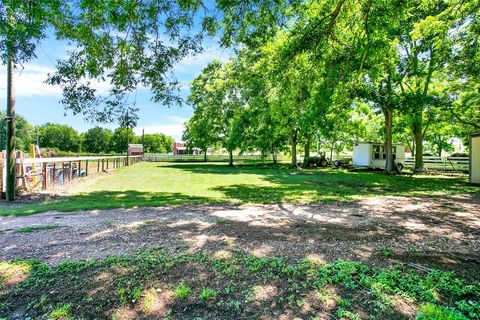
[
  {"x": 86, "y": 168},
  {"x": 54, "y": 174},
  {"x": 44, "y": 176},
  {"x": 98, "y": 165}
]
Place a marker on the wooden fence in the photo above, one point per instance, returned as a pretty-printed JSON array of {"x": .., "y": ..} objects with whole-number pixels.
[
  {"x": 441, "y": 163},
  {"x": 46, "y": 173}
]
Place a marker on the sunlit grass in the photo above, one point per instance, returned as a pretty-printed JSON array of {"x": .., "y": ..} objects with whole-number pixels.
[
  {"x": 156, "y": 184},
  {"x": 12, "y": 273}
]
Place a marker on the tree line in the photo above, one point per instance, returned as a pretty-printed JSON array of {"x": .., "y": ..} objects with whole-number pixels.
[
  {"x": 343, "y": 71},
  {"x": 59, "y": 139}
]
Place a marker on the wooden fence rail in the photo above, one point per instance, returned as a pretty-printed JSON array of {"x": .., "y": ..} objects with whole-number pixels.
[{"x": 441, "y": 163}]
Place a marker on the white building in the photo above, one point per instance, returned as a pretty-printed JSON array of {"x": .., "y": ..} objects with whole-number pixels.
[
  {"x": 372, "y": 155},
  {"x": 475, "y": 158}
]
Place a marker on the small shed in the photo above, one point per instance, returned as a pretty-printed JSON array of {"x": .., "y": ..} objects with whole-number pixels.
[
  {"x": 135, "y": 149},
  {"x": 373, "y": 155},
  {"x": 475, "y": 159}
]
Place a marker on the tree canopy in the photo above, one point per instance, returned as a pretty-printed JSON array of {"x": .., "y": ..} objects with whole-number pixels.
[
  {"x": 61, "y": 137},
  {"x": 316, "y": 70}
]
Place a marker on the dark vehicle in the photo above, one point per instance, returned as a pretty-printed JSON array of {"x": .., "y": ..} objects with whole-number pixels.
[
  {"x": 316, "y": 161},
  {"x": 459, "y": 155}
]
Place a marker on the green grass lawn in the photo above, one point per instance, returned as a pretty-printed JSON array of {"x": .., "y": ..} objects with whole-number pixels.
[{"x": 154, "y": 184}]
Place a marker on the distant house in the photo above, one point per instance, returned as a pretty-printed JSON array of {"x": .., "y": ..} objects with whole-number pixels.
[{"x": 180, "y": 148}]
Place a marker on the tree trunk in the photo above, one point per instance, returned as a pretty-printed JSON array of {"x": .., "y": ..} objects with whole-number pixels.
[
  {"x": 307, "y": 148},
  {"x": 230, "y": 158},
  {"x": 413, "y": 147},
  {"x": 10, "y": 179},
  {"x": 293, "y": 141},
  {"x": 389, "y": 163},
  {"x": 417, "y": 131},
  {"x": 205, "y": 155},
  {"x": 274, "y": 158}
]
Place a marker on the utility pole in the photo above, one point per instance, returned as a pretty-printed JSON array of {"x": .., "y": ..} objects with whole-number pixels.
[
  {"x": 10, "y": 181},
  {"x": 127, "y": 122},
  {"x": 128, "y": 151}
]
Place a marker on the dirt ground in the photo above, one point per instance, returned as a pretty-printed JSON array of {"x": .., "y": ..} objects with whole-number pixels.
[{"x": 420, "y": 232}]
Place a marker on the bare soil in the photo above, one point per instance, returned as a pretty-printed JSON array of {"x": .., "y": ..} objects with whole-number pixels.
[{"x": 380, "y": 231}]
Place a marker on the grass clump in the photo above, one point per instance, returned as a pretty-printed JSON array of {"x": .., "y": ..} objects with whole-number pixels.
[
  {"x": 61, "y": 313},
  {"x": 182, "y": 291},
  {"x": 207, "y": 294},
  {"x": 430, "y": 311}
]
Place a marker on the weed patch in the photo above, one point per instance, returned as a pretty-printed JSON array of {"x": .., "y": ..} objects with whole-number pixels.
[{"x": 241, "y": 286}]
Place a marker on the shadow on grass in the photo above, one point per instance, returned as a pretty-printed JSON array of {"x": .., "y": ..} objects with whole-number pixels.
[
  {"x": 325, "y": 184},
  {"x": 101, "y": 200}
]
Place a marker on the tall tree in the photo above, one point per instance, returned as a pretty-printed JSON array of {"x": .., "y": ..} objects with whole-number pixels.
[
  {"x": 424, "y": 46},
  {"x": 25, "y": 133},
  {"x": 464, "y": 66},
  {"x": 157, "y": 143},
  {"x": 122, "y": 136},
  {"x": 215, "y": 96},
  {"x": 97, "y": 140},
  {"x": 61, "y": 137},
  {"x": 199, "y": 132},
  {"x": 377, "y": 78}
]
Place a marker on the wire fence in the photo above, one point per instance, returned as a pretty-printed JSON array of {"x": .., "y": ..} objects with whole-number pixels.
[
  {"x": 47, "y": 173},
  {"x": 201, "y": 157}
]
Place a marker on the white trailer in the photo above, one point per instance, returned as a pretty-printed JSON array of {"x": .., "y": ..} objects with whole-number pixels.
[
  {"x": 475, "y": 159},
  {"x": 372, "y": 155}
]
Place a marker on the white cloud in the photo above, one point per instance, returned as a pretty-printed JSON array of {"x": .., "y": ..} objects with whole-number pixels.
[
  {"x": 194, "y": 63},
  {"x": 174, "y": 130},
  {"x": 176, "y": 119},
  {"x": 29, "y": 81}
]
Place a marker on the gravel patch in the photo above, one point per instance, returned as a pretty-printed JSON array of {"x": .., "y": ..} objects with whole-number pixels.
[{"x": 422, "y": 232}]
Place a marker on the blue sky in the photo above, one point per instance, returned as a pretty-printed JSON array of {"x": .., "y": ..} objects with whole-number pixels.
[{"x": 39, "y": 102}]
